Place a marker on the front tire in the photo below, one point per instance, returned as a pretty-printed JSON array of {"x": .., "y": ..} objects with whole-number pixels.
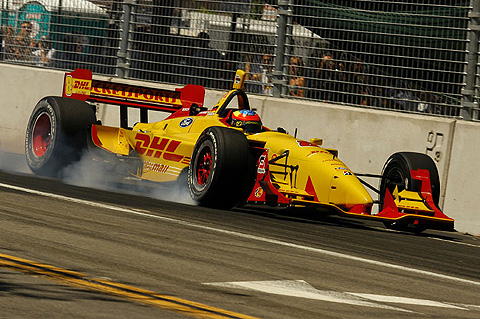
[
  {"x": 396, "y": 173},
  {"x": 56, "y": 134},
  {"x": 219, "y": 172}
]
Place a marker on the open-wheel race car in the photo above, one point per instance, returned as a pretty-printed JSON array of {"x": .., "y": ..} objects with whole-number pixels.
[{"x": 223, "y": 154}]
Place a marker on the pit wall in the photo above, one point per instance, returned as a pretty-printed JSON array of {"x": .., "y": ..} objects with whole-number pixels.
[{"x": 364, "y": 137}]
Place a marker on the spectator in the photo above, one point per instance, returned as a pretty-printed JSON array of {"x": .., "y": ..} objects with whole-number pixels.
[
  {"x": 7, "y": 42},
  {"x": 380, "y": 92},
  {"x": 23, "y": 42},
  {"x": 360, "y": 83},
  {"x": 267, "y": 70},
  {"x": 44, "y": 53},
  {"x": 326, "y": 75},
  {"x": 297, "y": 80},
  {"x": 73, "y": 54},
  {"x": 253, "y": 72}
]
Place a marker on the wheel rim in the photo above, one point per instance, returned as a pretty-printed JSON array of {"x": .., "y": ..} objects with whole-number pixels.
[
  {"x": 42, "y": 132},
  {"x": 204, "y": 166}
]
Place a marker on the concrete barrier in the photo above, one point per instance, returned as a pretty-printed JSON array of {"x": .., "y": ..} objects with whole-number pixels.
[
  {"x": 20, "y": 90},
  {"x": 364, "y": 137},
  {"x": 463, "y": 183}
]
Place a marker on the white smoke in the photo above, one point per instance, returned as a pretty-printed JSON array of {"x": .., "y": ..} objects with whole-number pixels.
[{"x": 92, "y": 173}]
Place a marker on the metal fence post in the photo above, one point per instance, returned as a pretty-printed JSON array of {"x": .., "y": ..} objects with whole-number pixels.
[
  {"x": 468, "y": 92},
  {"x": 279, "y": 80},
  {"x": 123, "y": 65}
]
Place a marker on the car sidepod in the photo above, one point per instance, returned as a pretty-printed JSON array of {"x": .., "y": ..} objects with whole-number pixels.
[{"x": 303, "y": 173}]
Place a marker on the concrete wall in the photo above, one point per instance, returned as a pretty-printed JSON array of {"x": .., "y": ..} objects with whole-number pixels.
[
  {"x": 463, "y": 184},
  {"x": 365, "y": 138},
  {"x": 20, "y": 90}
]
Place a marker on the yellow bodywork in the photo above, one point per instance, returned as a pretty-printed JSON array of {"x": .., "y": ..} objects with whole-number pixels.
[
  {"x": 332, "y": 182},
  {"x": 165, "y": 149},
  {"x": 309, "y": 173}
]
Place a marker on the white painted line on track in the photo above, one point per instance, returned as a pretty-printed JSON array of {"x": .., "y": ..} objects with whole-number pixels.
[
  {"x": 246, "y": 236},
  {"x": 406, "y": 301},
  {"x": 302, "y": 289},
  {"x": 453, "y": 242}
]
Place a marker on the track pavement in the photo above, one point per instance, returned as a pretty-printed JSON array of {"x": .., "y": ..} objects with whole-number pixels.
[{"x": 248, "y": 262}]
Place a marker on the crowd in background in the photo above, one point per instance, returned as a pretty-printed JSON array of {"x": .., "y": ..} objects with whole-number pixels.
[
  {"x": 348, "y": 80},
  {"x": 325, "y": 78},
  {"x": 21, "y": 46},
  {"x": 74, "y": 50}
]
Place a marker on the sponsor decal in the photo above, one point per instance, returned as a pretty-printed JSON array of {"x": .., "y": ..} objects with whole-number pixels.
[
  {"x": 136, "y": 93},
  {"x": 261, "y": 165},
  {"x": 68, "y": 85},
  {"x": 258, "y": 192},
  {"x": 156, "y": 167},
  {"x": 345, "y": 170},
  {"x": 305, "y": 143},
  {"x": 186, "y": 122},
  {"x": 157, "y": 147},
  {"x": 317, "y": 152},
  {"x": 77, "y": 86}
]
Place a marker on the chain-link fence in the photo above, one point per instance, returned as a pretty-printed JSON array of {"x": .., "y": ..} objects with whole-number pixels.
[{"x": 409, "y": 55}]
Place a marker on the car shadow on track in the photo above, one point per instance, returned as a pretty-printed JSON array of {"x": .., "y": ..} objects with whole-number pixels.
[
  {"x": 307, "y": 215},
  {"x": 328, "y": 218}
]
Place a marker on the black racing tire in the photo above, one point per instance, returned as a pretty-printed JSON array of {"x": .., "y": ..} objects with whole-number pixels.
[
  {"x": 219, "y": 173},
  {"x": 56, "y": 134},
  {"x": 396, "y": 172}
]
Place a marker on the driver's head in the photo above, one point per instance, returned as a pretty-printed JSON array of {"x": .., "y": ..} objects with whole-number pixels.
[{"x": 247, "y": 120}]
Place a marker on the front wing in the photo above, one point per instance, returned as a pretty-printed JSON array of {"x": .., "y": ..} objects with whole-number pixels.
[{"x": 404, "y": 207}]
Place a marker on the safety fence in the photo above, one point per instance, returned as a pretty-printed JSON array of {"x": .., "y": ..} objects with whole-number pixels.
[{"x": 416, "y": 56}]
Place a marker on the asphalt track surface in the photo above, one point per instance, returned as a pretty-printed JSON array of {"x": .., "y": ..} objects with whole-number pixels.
[{"x": 79, "y": 252}]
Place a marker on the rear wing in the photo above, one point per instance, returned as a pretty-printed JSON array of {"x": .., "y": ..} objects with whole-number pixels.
[{"x": 80, "y": 85}]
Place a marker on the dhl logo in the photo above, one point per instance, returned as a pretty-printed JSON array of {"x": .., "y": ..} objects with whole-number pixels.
[
  {"x": 81, "y": 85},
  {"x": 136, "y": 93},
  {"x": 77, "y": 86},
  {"x": 159, "y": 148}
]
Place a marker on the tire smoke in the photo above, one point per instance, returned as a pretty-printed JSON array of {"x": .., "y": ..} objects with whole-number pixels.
[{"x": 99, "y": 174}]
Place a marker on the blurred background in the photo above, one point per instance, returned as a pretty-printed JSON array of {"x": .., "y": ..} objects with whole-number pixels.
[{"x": 416, "y": 56}]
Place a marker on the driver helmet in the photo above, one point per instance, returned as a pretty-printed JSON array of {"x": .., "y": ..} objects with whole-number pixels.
[{"x": 248, "y": 120}]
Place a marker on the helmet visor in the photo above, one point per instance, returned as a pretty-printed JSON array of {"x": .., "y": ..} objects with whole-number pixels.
[{"x": 252, "y": 127}]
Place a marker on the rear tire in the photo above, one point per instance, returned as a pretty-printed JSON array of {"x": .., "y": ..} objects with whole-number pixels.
[
  {"x": 56, "y": 134},
  {"x": 220, "y": 171},
  {"x": 396, "y": 172}
]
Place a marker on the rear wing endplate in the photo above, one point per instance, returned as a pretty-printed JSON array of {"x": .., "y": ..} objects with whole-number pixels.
[{"x": 80, "y": 85}]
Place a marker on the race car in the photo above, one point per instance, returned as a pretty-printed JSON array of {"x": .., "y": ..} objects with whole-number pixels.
[{"x": 223, "y": 154}]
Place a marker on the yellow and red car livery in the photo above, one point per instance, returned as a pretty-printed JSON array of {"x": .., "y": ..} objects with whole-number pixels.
[{"x": 224, "y": 166}]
